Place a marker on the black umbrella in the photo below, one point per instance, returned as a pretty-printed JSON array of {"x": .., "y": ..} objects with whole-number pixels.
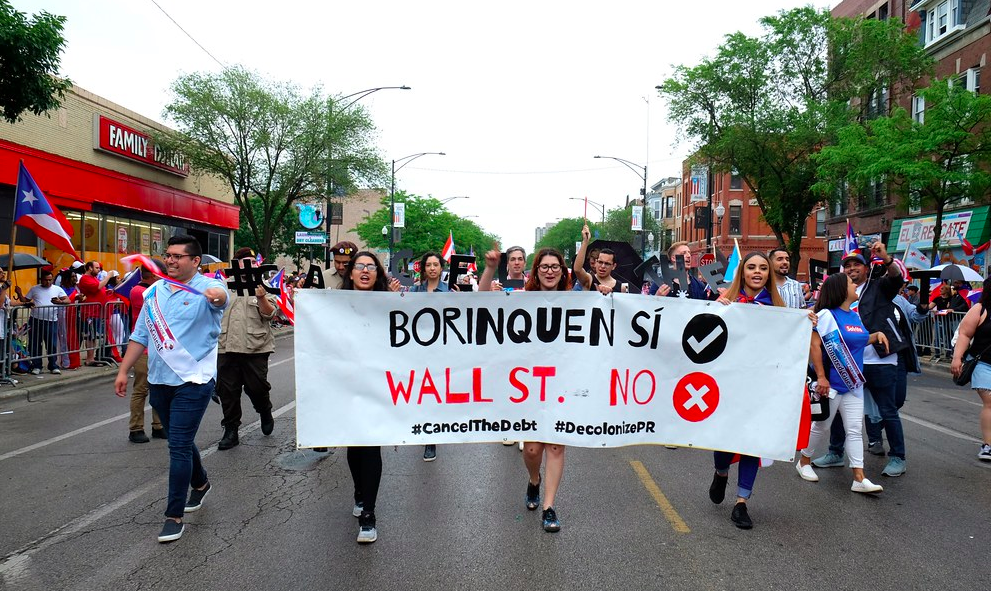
[
  {"x": 627, "y": 260},
  {"x": 23, "y": 260}
]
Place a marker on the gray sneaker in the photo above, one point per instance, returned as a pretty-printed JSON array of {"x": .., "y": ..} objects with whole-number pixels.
[
  {"x": 985, "y": 454},
  {"x": 876, "y": 448},
  {"x": 830, "y": 460},
  {"x": 895, "y": 467}
]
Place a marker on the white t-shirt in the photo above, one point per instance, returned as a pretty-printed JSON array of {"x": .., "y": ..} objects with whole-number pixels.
[
  {"x": 44, "y": 309},
  {"x": 870, "y": 354}
]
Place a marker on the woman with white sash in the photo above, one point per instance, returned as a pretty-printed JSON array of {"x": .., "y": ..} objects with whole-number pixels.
[{"x": 837, "y": 355}]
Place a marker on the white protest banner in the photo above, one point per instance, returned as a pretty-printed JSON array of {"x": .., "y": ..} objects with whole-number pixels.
[{"x": 562, "y": 367}]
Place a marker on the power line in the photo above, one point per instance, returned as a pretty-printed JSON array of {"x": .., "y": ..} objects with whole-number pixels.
[{"x": 198, "y": 44}]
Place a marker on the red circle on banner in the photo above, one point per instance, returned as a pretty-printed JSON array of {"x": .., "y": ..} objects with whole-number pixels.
[
  {"x": 707, "y": 259},
  {"x": 696, "y": 397},
  {"x": 416, "y": 266}
]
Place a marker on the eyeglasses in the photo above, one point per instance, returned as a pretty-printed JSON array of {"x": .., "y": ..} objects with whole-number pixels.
[
  {"x": 175, "y": 257},
  {"x": 365, "y": 267},
  {"x": 549, "y": 268},
  {"x": 604, "y": 263}
]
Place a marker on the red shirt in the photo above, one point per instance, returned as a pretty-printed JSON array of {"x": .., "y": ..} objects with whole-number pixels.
[{"x": 137, "y": 297}]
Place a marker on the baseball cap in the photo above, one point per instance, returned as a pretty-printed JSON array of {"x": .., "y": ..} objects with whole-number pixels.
[
  {"x": 854, "y": 257},
  {"x": 76, "y": 265}
]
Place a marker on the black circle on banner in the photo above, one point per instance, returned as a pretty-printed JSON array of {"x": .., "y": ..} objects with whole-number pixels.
[{"x": 704, "y": 338}]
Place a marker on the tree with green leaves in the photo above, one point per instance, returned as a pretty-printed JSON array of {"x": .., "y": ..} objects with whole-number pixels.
[
  {"x": 620, "y": 220},
  {"x": 932, "y": 163},
  {"x": 30, "y": 50},
  {"x": 269, "y": 141},
  {"x": 428, "y": 224},
  {"x": 283, "y": 238},
  {"x": 563, "y": 235},
  {"x": 764, "y": 106}
]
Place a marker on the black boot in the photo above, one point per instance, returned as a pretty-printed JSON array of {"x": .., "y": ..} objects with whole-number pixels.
[
  {"x": 268, "y": 422},
  {"x": 717, "y": 490},
  {"x": 741, "y": 517},
  {"x": 229, "y": 439}
]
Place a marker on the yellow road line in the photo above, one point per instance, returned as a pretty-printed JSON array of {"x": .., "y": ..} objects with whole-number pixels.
[{"x": 672, "y": 516}]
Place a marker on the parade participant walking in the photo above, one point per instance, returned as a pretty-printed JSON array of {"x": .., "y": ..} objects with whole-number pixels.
[
  {"x": 432, "y": 266},
  {"x": 697, "y": 288},
  {"x": 246, "y": 342},
  {"x": 43, "y": 323},
  {"x": 790, "y": 290},
  {"x": 139, "y": 393},
  {"x": 180, "y": 329},
  {"x": 750, "y": 286},
  {"x": 365, "y": 273},
  {"x": 877, "y": 289},
  {"x": 342, "y": 252},
  {"x": 974, "y": 340},
  {"x": 515, "y": 268},
  {"x": 549, "y": 273},
  {"x": 842, "y": 330},
  {"x": 602, "y": 267}
]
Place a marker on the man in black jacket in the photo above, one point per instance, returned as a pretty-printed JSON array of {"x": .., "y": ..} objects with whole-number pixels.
[{"x": 877, "y": 285}]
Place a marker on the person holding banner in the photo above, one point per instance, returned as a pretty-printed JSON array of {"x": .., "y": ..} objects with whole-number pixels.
[
  {"x": 180, "y": 326},
  {"x": 549, "y": 273},
  {"x": 697, "y": 288},
  {"x": 432, "y": 266},
  {"x": 842, "y": 337}
]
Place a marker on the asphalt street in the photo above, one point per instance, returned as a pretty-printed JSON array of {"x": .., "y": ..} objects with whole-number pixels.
[{"x": 81, "y": 508}]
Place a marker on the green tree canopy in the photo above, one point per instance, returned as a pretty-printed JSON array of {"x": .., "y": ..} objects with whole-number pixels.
[
  {"x": 763, "y": 106},
  {"x": 267, "y": 140},
  {"x": 933, "y": 163},
  {"x": 283, "y": 237},
  {"x": 428, "y": 224},
  {"x": 30, "y": 51},
  {"x": 563, "y": 235}
]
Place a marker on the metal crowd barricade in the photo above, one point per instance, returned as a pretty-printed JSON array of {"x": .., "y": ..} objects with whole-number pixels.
[
  {"x": 69, "y": 333},
  {"x": 934, "y": 335}
]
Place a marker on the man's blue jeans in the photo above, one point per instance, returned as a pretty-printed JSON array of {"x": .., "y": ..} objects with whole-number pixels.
[
  {"x": 888, "y": 393},
  {"x": 43, "y": 332},
  {"x": 181, "y": 408}
]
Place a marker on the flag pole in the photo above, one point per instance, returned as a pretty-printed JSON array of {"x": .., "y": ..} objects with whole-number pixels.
[{"x": 13, "y": 228}]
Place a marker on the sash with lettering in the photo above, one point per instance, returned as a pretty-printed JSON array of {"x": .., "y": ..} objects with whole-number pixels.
[
  {"x": 170, "y": 349},
  {"x": 838, "y": 352}
]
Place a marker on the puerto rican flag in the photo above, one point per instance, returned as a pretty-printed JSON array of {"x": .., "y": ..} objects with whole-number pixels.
[
  {"x": 147, "y": 263},
  {"x": 219, "y": 275},
  {"x": 33, "y": 211},
  {"x": 969, "y": 249},
  {"x": 448, "y": 251},
  {"x": 852, "y": 245},
  {"x": 285, "y": 304},
  {"x": 472, "y": 267}
]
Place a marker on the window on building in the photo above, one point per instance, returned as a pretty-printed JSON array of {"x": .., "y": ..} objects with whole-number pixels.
[
  {"x": 655, "y": 208},
  {"x": 821, "y": 222},
  {"x": 919, "y": 109},
  {"x": 877, "y": 103},
  {"x": 842, "y": 200},
  {"x": 735, "y": 218},
  {"x": 882, "y": 12},
  {"x": 942, "y": 19},
  {"x": 970, "y": 79},
  {"x": 735, "y": 181}
]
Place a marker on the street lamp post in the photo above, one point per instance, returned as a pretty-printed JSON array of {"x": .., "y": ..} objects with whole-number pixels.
[
  {"x": 355, "y": 96},
  {"x": 641, "y": 172},
  {"x": 392, "y": 195},
  {"x": 599, "y": 206},
  {"x": 449, "y": 199}
]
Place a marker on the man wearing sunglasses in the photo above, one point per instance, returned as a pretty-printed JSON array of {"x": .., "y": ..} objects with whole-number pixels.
[
  {"x": 246, "y": 342},
  {"x": 179, "y": 324}
]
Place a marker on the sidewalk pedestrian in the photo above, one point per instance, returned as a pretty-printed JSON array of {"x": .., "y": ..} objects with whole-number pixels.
[
  {"x": 975, "y": 341},
  {"x": 43, "y": 323},
  {"x": 139, "y": 393},
  {"x": 180, "y": 329}
]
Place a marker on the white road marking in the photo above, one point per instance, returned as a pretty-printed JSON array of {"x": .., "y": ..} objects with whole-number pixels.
[
  {"x": 699, "y": 346},
  {"x": 940, "y": 428},
  {"x": 81, "y": 430}
]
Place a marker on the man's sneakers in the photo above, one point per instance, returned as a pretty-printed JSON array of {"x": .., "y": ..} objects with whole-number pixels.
[
  {"x": 740, "y": 517},
  {"x": 358, "y": 508},
  {"x": 171, "y": 531},
  {"x": 876, "y": 448},
  {"x": 366, "y": 528},
  {"x": 196, "y": 497},
  {"x": 985, "y": 454},
  {"x": 159, "y": 434},
  {"x": 138, "y": 437},
  {"x": 429, "y": 453},
  {"x": 550, "y": 520},
  {"x": 36, "y": 372},
  {"x": 866, "y": 487},
  {"x": 717, "y": 490},
  {"x": 57, "y": 371},
  {"x": 229, "y": 439},
  {"x": 532, "y": 495},
  {"x": 806, "y": 472},
  {"x": 895, "y": 467},
  {"x": 830, "y": 460},
  {"x": 268, "y": 423}
]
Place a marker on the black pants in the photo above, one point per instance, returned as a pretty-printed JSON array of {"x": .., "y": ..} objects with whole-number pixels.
[
  {"x": 366, "y": 471},
  {"x": 242, "y": 370}
]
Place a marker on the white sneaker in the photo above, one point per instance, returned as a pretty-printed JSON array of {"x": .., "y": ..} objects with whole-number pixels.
[
  {"x": 985, "y": 454},
  {"x": 866, "y": 486},
  {"x": 806, "y": 472},
  {"x": 57, "y": 371},
  {"x": 508, "y": 443},
  {"x": 36, "y": 372},
  {"x": 367, "y": 534}
]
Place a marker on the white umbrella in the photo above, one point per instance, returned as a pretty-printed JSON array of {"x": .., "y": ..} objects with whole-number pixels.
[{"x": 957, "y": 272}]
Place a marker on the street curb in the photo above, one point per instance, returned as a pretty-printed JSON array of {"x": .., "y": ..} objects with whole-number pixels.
[{"x": 67, "y": 383}]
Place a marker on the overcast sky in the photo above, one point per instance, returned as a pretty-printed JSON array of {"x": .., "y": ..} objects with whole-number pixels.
[{"x": 520, "y": 95}]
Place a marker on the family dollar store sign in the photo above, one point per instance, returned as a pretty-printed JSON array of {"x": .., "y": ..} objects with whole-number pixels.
[{"x": 311, "y": 237}]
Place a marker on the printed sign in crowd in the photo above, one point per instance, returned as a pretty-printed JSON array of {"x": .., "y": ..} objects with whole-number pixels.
[{"x": 568, "y": 368}]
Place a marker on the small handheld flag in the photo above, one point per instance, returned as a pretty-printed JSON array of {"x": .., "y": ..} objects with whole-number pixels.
[
  {"x": 147, "y": 263},
  {"x": 732, "y": 263},
  {"x": 852, "y": 245},
  {"x": 448, "y": 251}
]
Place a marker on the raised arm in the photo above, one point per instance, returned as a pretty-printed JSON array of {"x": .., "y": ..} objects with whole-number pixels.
[{"x": 579, "y": 267}]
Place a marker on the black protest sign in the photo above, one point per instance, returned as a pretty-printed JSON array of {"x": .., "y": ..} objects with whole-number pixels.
[
  {"x": 398, "y": 270},
  {"x": 704, "y": 338},
  {"x": 459, "y": 267},
  {"x": 673, "y": 276},
  {"x": 817, "y": 272},
  {"x": 314, "y": 277},
  {"x": 648, "y": 270},
  {"x": 714, "y": 274},
  {"x": 242, "y": 280}
]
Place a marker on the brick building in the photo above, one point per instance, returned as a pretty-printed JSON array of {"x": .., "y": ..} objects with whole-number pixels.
[
  {"x": 96, "y": 161},
  {"x": 740, "y": 220}
]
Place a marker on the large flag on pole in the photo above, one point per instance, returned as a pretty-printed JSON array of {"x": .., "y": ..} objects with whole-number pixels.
[
  {"x": 33, "y": 211},
  {"x": 448, "y": 251},
  {"x": 852, "y": 245}
]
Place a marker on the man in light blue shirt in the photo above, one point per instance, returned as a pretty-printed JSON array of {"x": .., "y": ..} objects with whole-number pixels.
[{"x": 180, "y": 329}]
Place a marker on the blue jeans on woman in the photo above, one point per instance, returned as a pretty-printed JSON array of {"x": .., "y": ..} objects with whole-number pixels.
[
  {"x": 746, "y": 474},
  {"x": 181, "y": 408}
]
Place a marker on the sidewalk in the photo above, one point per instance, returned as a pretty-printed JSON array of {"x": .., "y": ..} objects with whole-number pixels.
[{"x": 29, "y": 386}]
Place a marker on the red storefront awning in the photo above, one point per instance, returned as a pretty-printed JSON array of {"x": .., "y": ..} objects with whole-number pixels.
[{"x": 76, "y": 185}]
